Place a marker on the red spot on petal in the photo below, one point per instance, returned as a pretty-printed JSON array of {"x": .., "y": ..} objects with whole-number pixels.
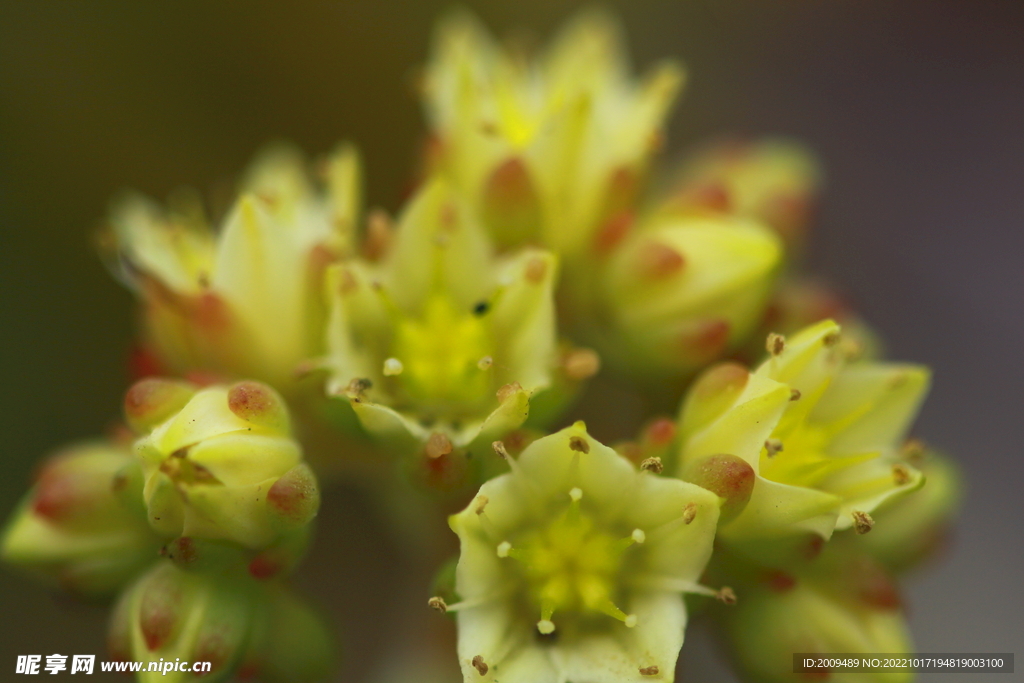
[
  {"x": 707, "y": 341},
  {"x": 264, "y": 567},
  {"x": 660, "y": 432},
  {"x": 144, "y": 362},
  {"x": 611, "y": 234},
  {"x": 813, "y": 547},
  {"x": 728, "y": 477},
  {"x": 656, "y": 261},
  {"x": 779, "y": 581},
  {"x": 295, "y": 495},
  {"x": 252, "y": 401}
]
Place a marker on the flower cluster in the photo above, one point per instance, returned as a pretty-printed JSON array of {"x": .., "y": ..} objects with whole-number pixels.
[{"x": 436, "y": 359}]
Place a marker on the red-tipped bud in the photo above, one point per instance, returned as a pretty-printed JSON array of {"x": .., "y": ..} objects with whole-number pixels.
[
  {"x": 151, "y": 401},
  {"x": 159, "y": 609},
  {"x": 257, "y": 403},
  {"x": 510, "y": 204},
  {"x": 295, "y": 497},
  {"x": 729, "y": 477}
]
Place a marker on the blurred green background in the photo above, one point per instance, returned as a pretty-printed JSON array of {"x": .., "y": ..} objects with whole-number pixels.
[{"x": 916, "y": 108}]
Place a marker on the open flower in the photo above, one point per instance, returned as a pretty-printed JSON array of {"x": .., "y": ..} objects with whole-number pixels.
[
  {"x": 573, "y": 567},
  {"x": 441, "y": 337},
  {"x": 681, "y": 291},
  {"x": 808, "y": 443},
  {"x": 219, "y": 462},
  {"x": 83, "y": 526},
  {"x": 244, "y": 301},
  {"x": 548, "y": 148}
]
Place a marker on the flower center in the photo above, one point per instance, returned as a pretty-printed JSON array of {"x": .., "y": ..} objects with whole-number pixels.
[
  {"x": 571, "y": 566},
  {"x": 440, "y": 354}
]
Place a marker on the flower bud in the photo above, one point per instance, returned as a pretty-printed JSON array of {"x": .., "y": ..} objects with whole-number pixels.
[
  {"x": 843, "y": 604},
  {"x": 224, "y": 467},
  {"x": 290, "y": 642},
  {"x": 244, "y": 301},
  {"x": 441, "y": 338},
  {"x": 770, "y": 181},
  {"x": 550, "y": 148},
  {"x": 575, "y": 563},
  {"x": 81, "y": 527},
  {"x": 171, "y": 615},
  {"x": 683, "y": 291}
]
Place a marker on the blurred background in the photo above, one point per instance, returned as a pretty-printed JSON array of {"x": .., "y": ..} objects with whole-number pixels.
[{"x": 916, "y": 108}]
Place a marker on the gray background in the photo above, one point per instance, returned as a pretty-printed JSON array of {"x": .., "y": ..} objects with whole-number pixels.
[{"x": 916, "y": 108}]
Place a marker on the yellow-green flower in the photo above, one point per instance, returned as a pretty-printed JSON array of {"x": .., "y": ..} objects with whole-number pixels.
[
  {"x": 548, "y": 147},
  {"x": 441, "y": 342},
  {"x": 821, "y": 436},
  {"x": 771, "y": 181},
  {"x": 573, "y": 567},
  {"x": 842, "y": 603},
  {"x": 681, "y": 291},
  {"x": 82, "y": 527},
  {"x": 244, "y": 301},
  {"x": 219, "y": 462}
]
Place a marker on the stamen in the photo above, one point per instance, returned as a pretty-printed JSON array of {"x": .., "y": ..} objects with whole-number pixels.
[
  {"x": 775, "y": 344},
  {"x": 485, "y": 363},
  {"x": 900, "y": 474},
  {"x": 773, "y": 446},
  {"x": 504, "y": 548},
  {"x": 393, "y": 367},
  {"x": 726, "y": 595},
  {"x": 638, "y": 536},
  {"x": 689, "y": 512},
  {"x": 438, "y": 445},
  {"x": 575, "y": 493},
  {"x": 481, "y": 503},
  {"x": 653, "y": 465},
  {"x": 480, "y": 665},
  {"x": 503, "y": 453},
  {"x": 546, "y": 626},
  {"x": 862, "y": 522},
  {"x": 794, "y": 394},
  {"x": 438, "y": 603},
  {"x": 649, "y": 670},
  {"x": 579, "y": 444}
]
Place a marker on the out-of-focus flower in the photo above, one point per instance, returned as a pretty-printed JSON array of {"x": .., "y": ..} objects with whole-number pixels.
[
  {"x": 914, "y": 527},
  {"x": 548, "y": 147},
  {"x": 812, "y": 441},
  {"x": 245, "y": 301},
  {"x": 680, "y": 292},
  {"x": 441, "y": 343},
  {"x": 170, "y": 614},
  {"x": 219, "y": 462},
  {"x": 290, "y": 643},
  {"x": 83, "y": 526},
  {"x": 842, "y": 603},
  {"x": 799, "y": 302},
  {"x": 573, "y": 567},
  {"x": 770, "y": 181}
]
